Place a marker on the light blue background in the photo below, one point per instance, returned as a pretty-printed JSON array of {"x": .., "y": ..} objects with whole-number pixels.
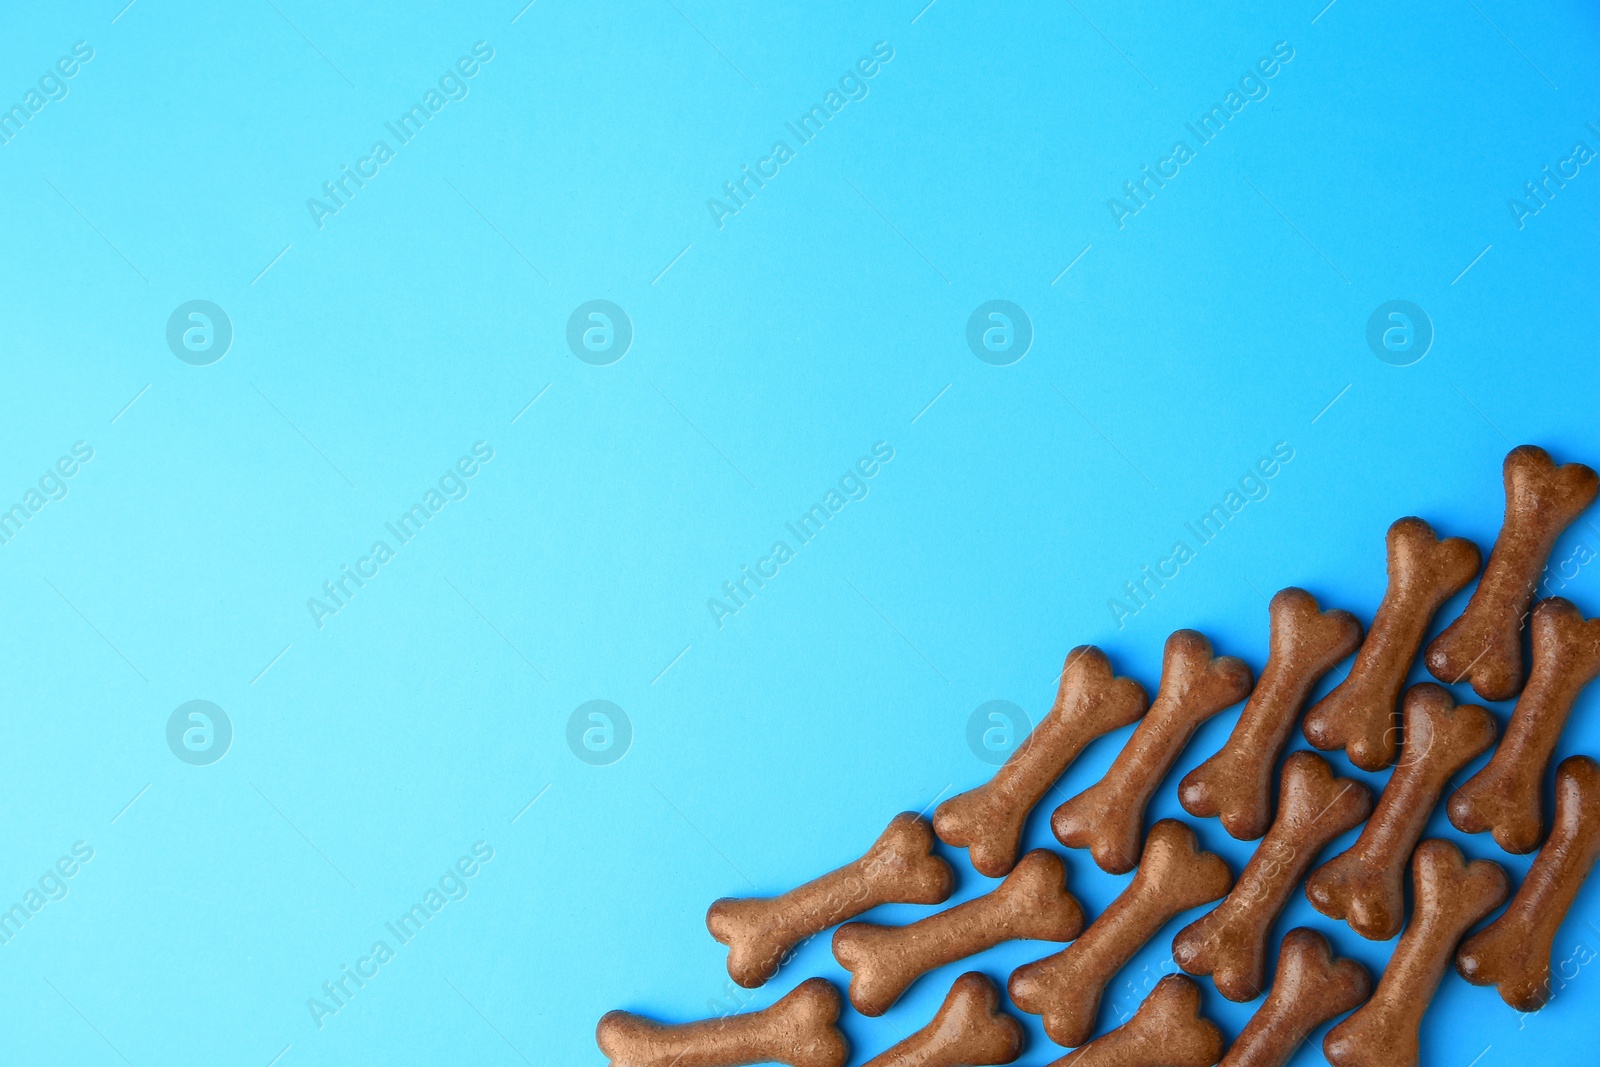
[{"x": 768, "y": 355}]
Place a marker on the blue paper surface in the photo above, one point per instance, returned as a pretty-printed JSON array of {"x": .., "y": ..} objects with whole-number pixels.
[{"x": 580, "y": 346}]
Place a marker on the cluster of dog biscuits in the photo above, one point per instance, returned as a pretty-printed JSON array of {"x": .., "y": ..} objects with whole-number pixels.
[{"x": 1429, "y": 741}]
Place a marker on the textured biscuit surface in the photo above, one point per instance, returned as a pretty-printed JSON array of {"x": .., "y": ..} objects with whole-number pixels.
[
  {"x": 1365, "y": 885},
  {"x": 987, "y": 821},
  {"x": 1230, "y": 943},
  {"x": 1484, "y": 646},
  {"x": 1236, "y": 783},
  {"x": 1513, "y": 952},
  {"x": 1505, "y": 797},
  {"x": 1451, "y": 895},
  {"x": 900, "y": 867},
  {"x": 1173, "y": 876},
  {"x": 798, "y": 1030},
  {"x": 1031, "y": 903},
  {"x": 1108, "y": 817},
  {"x": 1359, "y": 714}
]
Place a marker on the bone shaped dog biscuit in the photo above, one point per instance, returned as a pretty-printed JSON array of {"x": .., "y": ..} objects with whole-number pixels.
[
  {"x": 1031, "y": 903},
  {"x": 1108, "y": 817},
  {"x": 1173, "y": 876},
  {"x": 1505, "y": 797},
  {"x": 1309, "y": 989},
  {"x": 798, "y": 1030},
  {"x": 899, "y": 868},
  {"x": 969, "y": 1030},
  {"x": 1236, "y": 783},
  {"x": 1230, "y": 943},
  {"x": 1365, "y": 885},
  {"x": 1451, "y": 895},
  {"x": 1484, "y": 646},
  {"x": 1167, "y": 1031},
  {"x": 1513, "y": 952},
  {"x": 1358, "y": 715},
  {"x": 987, "y": 821}
]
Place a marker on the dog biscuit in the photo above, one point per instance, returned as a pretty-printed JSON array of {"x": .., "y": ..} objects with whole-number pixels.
[
  {"x": 1359, "y": 714},
  {"x": 1167, "y": 1031},
  {"x": 1310, "y": 988},
  {"x": 1173, "y": 876},
  {"x": 1484, "y": 646},
  {"x": 1513, "y": 952},
  {"x": 1230, "y": 943},
  {"x": 1108, "y": 817},
  {"x": 1451, "y": 895},
  {"x": 969, "y": 1030},
  {"x": 1505, "y": 797},
  {"x": 1032, "y": 903},
  {"x": 1236, "y": 783},
  {"x": 800, "y": 1030},
  {"x": 987, "y": 821},
  {"x": 1365, "y": 885},
  {"x": 899, "y": 868}
]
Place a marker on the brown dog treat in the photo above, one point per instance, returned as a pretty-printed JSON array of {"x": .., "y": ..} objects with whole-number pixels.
[
  {"x": 1513, "y": 952},
  {"x": 969, "y": 1030},
  {"x": 987, "y": 821},
  {"x": 1173, "y": 876},
  {"x": 1484, "y": 646},
  {"x": 1236, "y": 783},
  {"x": 1167, "y": 1031},
  {"x": 1310, "y": 988},
  {"x": 899, "y": 868},
  {"x": 1230, "y": 943},
  {"x": 1451, "y": 895},
  {"x": 1108, "y": 817},
  {"x": 1365, "y": 885},
  {"x": 1359, "y": 715},
  {"x": 798, "y": 1030},
  {"x": 1031, "y": 903},
  {"x": 1505, "y": 797}
]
